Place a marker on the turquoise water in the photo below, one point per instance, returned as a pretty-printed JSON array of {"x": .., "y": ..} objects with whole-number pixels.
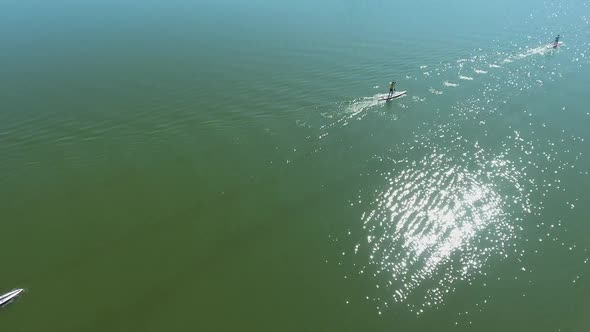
[{"x": 226, "y": 165}]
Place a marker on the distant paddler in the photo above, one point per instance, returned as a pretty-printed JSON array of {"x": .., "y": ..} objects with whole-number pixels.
[
  {"x": 556, "y": 41},
  {"x": 393, "y": 93},
  {"x": 391, "y": 89}
]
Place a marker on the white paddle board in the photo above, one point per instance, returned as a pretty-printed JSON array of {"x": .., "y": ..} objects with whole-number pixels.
[{"x": 396, "y": 94}]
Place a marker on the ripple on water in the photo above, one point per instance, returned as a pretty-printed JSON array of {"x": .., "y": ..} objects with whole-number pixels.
[{"x": 439, "y": 219}]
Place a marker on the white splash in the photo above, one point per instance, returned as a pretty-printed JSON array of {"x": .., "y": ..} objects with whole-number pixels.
[
  {"x": 449, "y": 84},
  {"x": 434, "y": 91},
  {"x": 362, "y": 104}
]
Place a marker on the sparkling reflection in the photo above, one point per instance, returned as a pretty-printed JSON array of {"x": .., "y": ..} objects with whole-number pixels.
[{"x": 437, "y": 223}]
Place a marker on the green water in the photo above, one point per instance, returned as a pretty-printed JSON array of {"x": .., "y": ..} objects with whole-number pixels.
[{"x": 226, "y": 166}]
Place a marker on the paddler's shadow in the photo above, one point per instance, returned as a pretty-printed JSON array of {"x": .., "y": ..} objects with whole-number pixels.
[
  {"x": 388, "y": 104},
  {"x": 552, "y": 53},
  {"x": 389, "y": 107}
]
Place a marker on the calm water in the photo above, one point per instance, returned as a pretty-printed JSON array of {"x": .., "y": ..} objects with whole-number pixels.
[{"x": 226, "y": 165}]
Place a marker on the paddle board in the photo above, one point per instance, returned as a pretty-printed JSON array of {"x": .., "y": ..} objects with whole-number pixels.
[
  {"x": 396, "y": 94},
  {"x": 552, "y": 45},
  {"x": 10, "y": 296}
]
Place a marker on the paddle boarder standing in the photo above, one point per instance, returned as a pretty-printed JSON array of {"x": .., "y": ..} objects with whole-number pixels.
[
  {"x": 556, "y": 41},
  {"x": 391, "y": 89}
]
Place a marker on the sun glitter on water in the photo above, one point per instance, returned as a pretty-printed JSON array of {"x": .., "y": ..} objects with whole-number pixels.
[{"x": 437, "y": 223}]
